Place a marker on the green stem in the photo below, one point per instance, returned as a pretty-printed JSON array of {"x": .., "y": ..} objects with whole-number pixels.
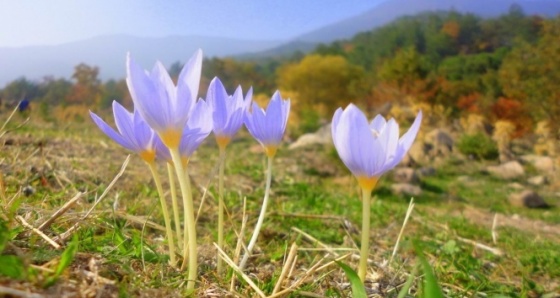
[
  {"x": 221, "y": 207},
  {"x": 166, "y": 218},
  {"x": 175, "y": 205},
  {"x": 190, "y": 229},
  {"x": 261, "y": 216},
  {"x": 364, "y": 249}
]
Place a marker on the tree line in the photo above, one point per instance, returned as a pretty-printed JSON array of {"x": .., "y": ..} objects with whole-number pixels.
[{"x": 503, "y": 68}]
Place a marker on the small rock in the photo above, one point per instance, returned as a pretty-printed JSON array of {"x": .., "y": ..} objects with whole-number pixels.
[
  {"x": 507, "y": 171},
  {"x": 405, "y": 175},
  {"x": 321, "y": 136},
  {"x": 537, "y": 180},
  {"x": 426, "y": 171},
  {"x": 544, "y": 164},
  {"x": 516, "y": 185},
  {"x": 406, "y": 189},
  {"x": 527, "y": 198}
]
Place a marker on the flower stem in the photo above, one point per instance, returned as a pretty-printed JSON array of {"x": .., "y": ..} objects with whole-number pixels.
[
  {"x": 166, "y": 218},
  {"x": 364, "y": 249},
  {"x": 175, "y": 205},
  {"x": 221, "y": 208},
  {"x": 261, "y": 216},
  {"x": 189, "y": 236}
]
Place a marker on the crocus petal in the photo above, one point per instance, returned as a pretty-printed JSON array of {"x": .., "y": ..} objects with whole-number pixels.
[
  {"x": 162, "y": 152},
  {"x": 408, "y": 138},
  {"x": 190, "y": 75},
  {"x": 198, "y": 128},
  {"x": 378, "y": 123},
  {"x": 218, "y": 99},
  {"x": 144, "y": 93},
  {"x": 110, "y": 132}
]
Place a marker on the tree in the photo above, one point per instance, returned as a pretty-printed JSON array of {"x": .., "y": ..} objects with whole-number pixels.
[
  {"x": 327, "y": 80},
  {"x": 530, "y": 74},
  {"x": 20, "y": 89},
  {"x": 87, "y": 89}
]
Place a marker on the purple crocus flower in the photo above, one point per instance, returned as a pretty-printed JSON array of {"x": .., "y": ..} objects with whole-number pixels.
[
  {"x": 268, "y": 126},
  {"x": 165, "y": 107},
  {"x": 227, "y": 110},
  {"x": 133, "y": 132},
  {"x": 370, "y": 149},
  {"x": 197, "y": 129}
]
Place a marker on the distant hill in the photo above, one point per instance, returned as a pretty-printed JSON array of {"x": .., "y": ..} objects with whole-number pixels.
[
  {"x": 109, "y": 52},
  {"x": 392, "y": 9}
]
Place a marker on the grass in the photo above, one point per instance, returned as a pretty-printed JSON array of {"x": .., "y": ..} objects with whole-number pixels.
[{"x": 314, "y": 204}]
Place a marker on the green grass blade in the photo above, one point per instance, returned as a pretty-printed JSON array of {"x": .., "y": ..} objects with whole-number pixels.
[
  {"x": 431, "y": 286},
  {"x": 67, "y": 256},
  {"x": 408, "y": 283},
  {"x": 358, "y": 289}
]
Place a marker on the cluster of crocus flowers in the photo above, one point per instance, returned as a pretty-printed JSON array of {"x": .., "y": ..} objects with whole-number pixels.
[
  {"x": 169, "y": 123},
  {"x": 369, "y": 150}
]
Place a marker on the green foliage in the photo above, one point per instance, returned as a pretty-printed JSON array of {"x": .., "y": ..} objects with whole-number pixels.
[
  {"x": 431, "y": 288},
  {"x": 478, "y": 145},
  {"x": 358, "y": 290},
  {"x": 326, "y": 80},
  {"x": 66, "y": 259}
]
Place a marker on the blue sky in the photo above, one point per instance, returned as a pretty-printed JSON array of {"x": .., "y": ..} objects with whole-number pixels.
[{"x": 41, "y": 22}]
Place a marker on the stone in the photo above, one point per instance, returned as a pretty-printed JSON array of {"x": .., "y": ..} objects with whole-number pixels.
[
  {"x": 537, "y": 180},
  {"x": 527, "y": 198},
  {"x": 438, "y": 142},
  {"x": 406, "y": 189},
  {"x": 322, "y": 136},
  {"x": 507, "y": 171},
  {"x": 426, "y": 171},
  {"x": 405, "y": 175},
  {"x": 543, "y": 164}
]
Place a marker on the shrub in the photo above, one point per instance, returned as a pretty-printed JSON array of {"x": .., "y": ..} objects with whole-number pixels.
[{"x": 478, "y": 145}]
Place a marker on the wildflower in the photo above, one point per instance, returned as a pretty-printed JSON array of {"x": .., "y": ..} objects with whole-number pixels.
[
  {"x": 227, "y": 114},
  {"x": 268, "y": 126},
  {"x": 165, "y": 107},
  {"x": 135, "y": 135},
  {"x": 133, "y": 132},
  {"x": 227, "y": 110},
  {"x": 369, "y": 150}
]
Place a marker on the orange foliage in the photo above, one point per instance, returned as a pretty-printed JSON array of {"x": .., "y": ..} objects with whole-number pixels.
[
  {"x": 469, "y": 103},
  {"x": 452, "y": 29},
  {"x": 513, "y": 110}
]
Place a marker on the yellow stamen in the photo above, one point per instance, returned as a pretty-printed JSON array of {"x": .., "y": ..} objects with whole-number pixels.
[
  {"x": 270, "y": 150},
  {"x": 171, "y": 138},
  {"x": 223, "y": 141},
  {"x": 367, "y": 183},
  {"x": 148, "y": 156}
]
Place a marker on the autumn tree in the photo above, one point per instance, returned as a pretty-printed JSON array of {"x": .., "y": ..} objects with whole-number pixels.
[
  {"x": 87, "y": 87},
  {"x": 530, "y": 74},
  {"x": 330, "y": 81}
]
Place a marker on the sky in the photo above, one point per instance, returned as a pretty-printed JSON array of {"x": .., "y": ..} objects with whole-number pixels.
[{"x": 50, "y": 22}]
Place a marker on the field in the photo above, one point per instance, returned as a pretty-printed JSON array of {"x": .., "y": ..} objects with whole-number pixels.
[{"x": 112, "y": 244}]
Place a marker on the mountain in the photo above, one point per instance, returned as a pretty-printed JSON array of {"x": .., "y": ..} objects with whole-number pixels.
[
  {"x": 109, "y": 52},
  {"x": 391, "y": 9}
]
